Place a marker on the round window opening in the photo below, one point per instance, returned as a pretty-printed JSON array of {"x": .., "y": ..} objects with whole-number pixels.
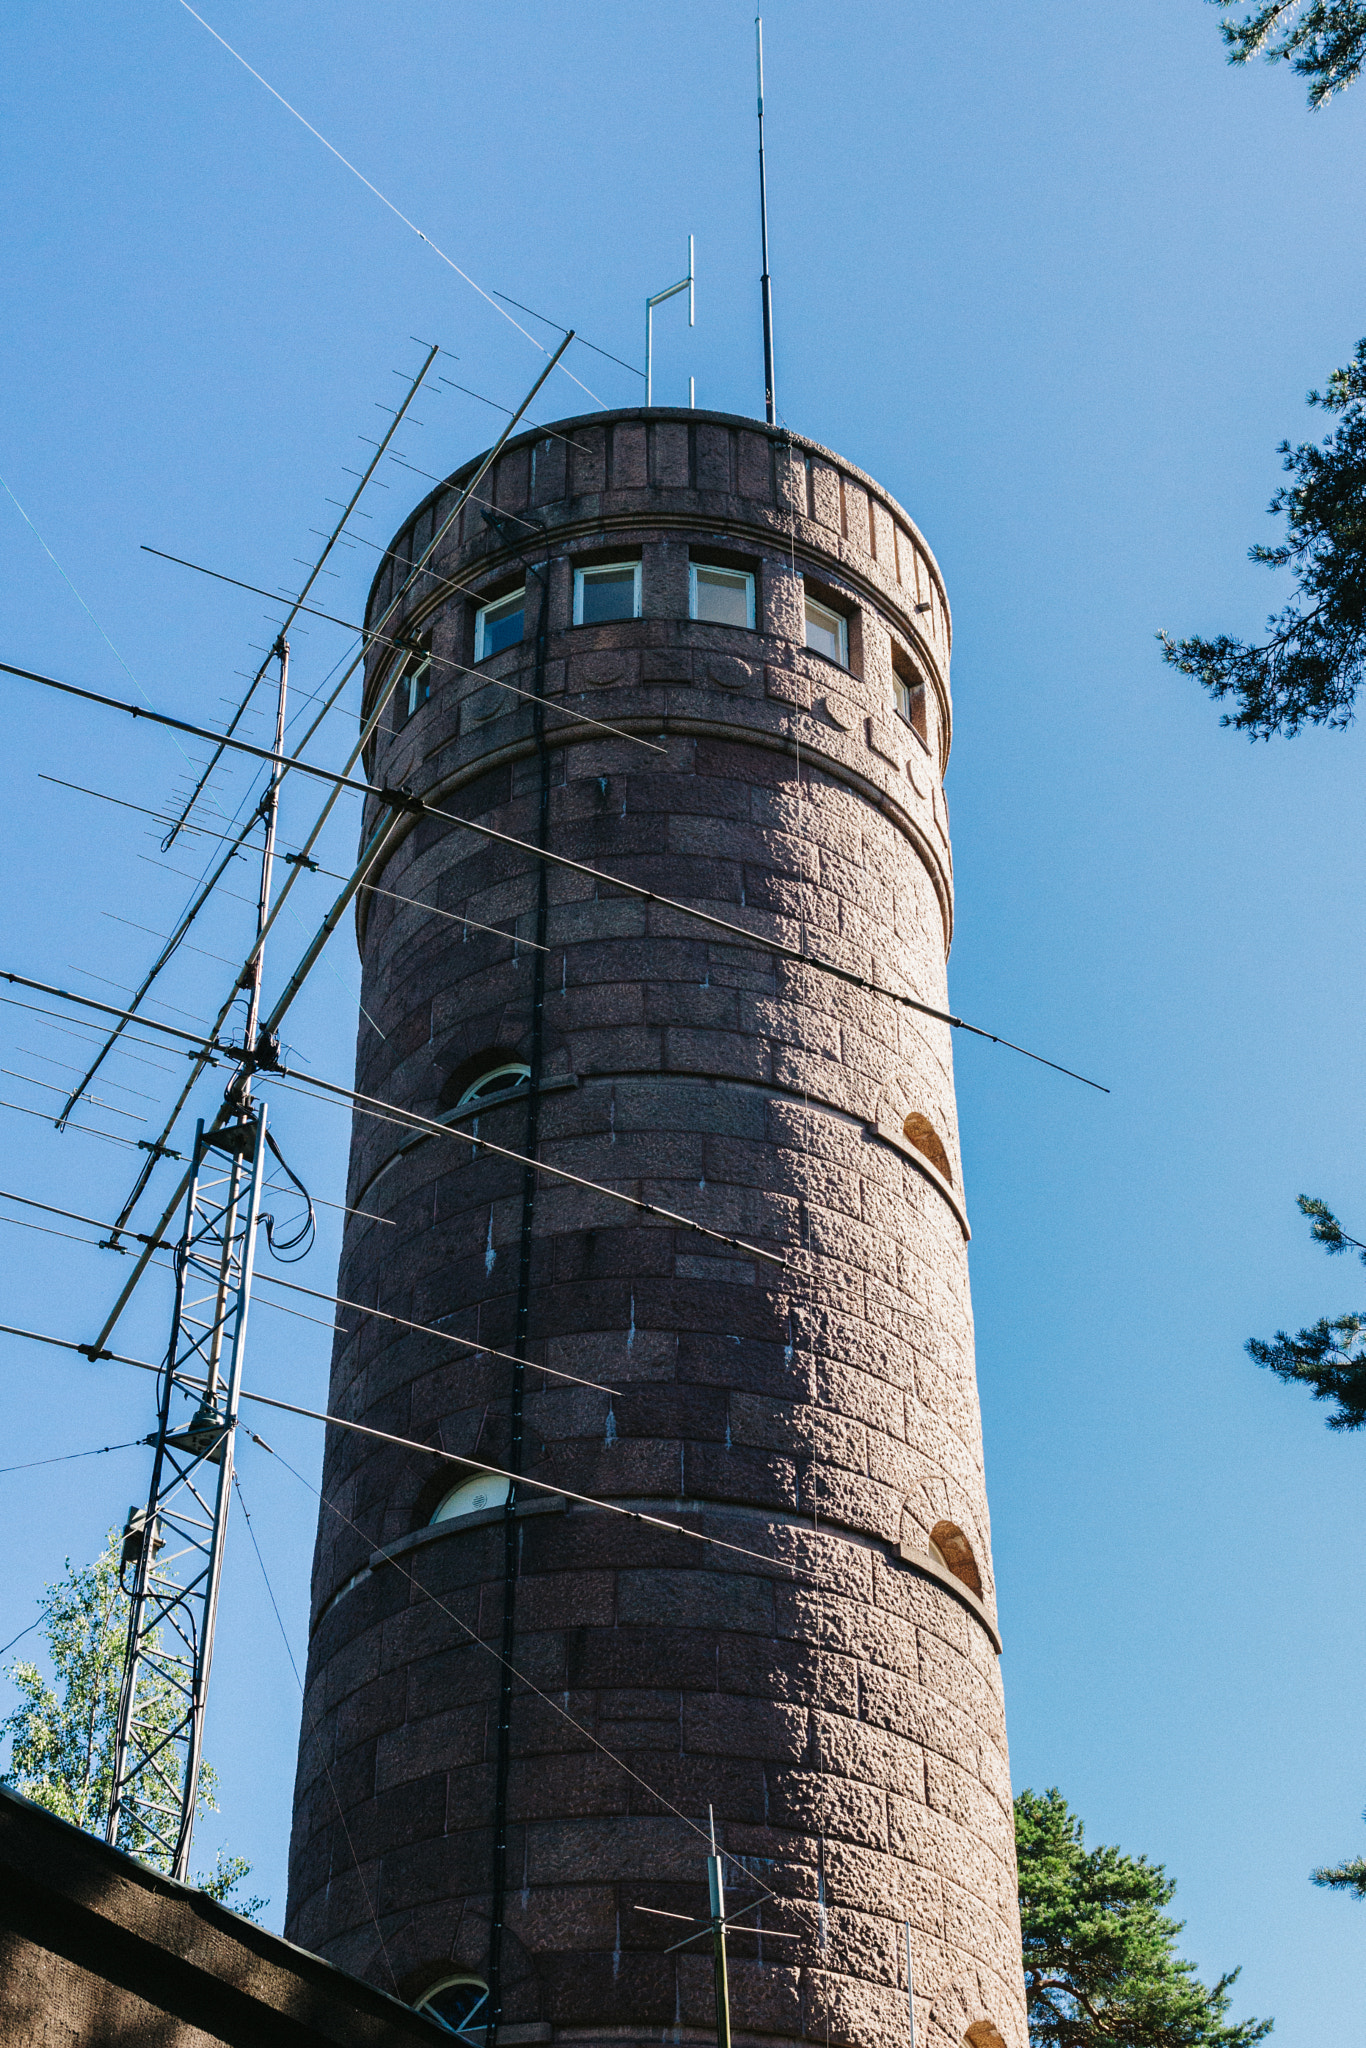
[
  {"x": 460, "y": 2006},
  {"x": 497, "y": 1081},
  {"x": 471, "y": 1497}
]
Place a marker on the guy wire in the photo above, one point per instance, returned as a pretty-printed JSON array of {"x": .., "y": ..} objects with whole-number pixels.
[
  {"x": 88, "y": 1130},
  {"x": 474, "y": 1637},
  {"x": 469, "y": 1464},
  {"x": 420, "y": 806},
  {"x": 167, "y": 952},
  {"x": 293, "y": 1287},
  {"x": 309, "y": 581},
  {"x": 374, "y": 889},
  {"x": 377, "y": 639},
  {"x": 283, "y": 763},
  {"x": 313, "y": 1726},
  {"x": 448, "y": 260}
]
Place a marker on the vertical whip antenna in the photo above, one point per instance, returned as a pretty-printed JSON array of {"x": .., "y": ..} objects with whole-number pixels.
[{"x": 765, "y": 285}]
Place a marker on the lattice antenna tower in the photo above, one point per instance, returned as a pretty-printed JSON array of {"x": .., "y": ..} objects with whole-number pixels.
[{"x": 175, "y": 1544}]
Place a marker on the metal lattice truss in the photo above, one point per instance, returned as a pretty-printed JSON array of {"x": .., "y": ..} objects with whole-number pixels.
[{"x": 176, "y": 1544}]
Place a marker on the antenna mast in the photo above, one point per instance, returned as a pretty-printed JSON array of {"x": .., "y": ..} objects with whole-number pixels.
[
  {"x": 176, "y": 1542},
  {"x": 765, "y": 286},
  {"x": 685, "y": 284}
]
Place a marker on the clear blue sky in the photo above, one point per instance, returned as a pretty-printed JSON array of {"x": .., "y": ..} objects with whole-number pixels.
[{"x": 1060, "y": 279}]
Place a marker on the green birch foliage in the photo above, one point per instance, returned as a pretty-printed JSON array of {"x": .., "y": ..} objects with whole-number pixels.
[
  {"x": 1100, "y": 1961},
  {"x": 1323, "y": 40},
  {"x": 1310, "y": 666},
  {"x": 61, "y": 1735}
]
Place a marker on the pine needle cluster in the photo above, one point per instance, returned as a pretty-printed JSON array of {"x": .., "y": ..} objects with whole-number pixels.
[
  {"x": 1313, "y": 661},
  {"x": 1099, "y": 1950},
  {"x": 1324, "y": 41}
]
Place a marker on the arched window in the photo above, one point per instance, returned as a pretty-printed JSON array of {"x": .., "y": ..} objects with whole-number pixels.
[
  {"x": 954, "y": 1551},
  {"x": 460, "y": 2005},
  {"x": 472, "y": 1496},
  {"x": 920, "y": 1132},
  {"x": 494, "y": 1081}
]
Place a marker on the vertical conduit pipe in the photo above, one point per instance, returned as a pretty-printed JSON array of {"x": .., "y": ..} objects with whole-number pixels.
[{"x": 519, "y": 1343}]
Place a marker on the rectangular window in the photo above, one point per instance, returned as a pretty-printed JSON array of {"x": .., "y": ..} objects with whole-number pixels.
[
  {"x": 499, "y": 625},
  {"x": 413, "y": 688},
  {"x": 611, "y": 591},
  {"x": 827, "y": 633},
  {"x": 910, "y": 699},
  {"x": 723, "y": 597}
]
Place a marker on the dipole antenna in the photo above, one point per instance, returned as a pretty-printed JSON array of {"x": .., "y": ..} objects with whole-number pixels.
[
  {"x": 715, "y": 1925},
  {"x": 176, "y": 1543},
  {"x": 685, "y": 284},
  {"x": 765, "y": 285}
]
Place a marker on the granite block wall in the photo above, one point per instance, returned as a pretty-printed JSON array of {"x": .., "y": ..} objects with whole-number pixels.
[{"x": 829, "y": 1684}]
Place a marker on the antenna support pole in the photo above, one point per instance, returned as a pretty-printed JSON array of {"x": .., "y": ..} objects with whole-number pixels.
[
  {"x": 175, "y": 1545},
  {"x": 716, "y": 1888},
  {"x": 765, "y": 285},
  {"x": 176, "y": 1542},
  {"x": 685, "y": 284}
]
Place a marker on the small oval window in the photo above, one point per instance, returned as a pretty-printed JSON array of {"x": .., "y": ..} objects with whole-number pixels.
[
  {"x": 497, "y": 1081},
  {"x": 472, "y": 1496},
  {"x": 920, "y": 1132},
  {"x": 954, "y": 1550},
  {"x": 460, "y": 2006},
  {"x": 982, "y": 2034}
]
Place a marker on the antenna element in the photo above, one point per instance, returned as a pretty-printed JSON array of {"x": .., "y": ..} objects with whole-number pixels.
[
  {"x": 685, "y": 284},
  {"x": 765, "y": 287}
]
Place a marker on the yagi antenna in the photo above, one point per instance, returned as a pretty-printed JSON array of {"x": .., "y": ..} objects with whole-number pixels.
[
  {"x": 765, "y": 286},
  {"x": 685, "y": 284}
]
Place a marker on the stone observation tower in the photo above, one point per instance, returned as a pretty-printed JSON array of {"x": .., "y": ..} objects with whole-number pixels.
[{"x": 769, "y": 635}]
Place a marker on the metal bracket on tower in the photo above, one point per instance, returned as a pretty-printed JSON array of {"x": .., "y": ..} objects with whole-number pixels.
[{"x": 176, "y": 1542}]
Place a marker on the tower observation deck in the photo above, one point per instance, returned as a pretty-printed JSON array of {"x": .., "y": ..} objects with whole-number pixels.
[{"x": 520, "y": 1707}]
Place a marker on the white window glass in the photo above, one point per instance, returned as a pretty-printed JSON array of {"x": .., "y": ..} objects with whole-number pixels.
[
  {"x": 609, "y": 592},
  {"x": 724, "y": 597},
  {"x": 827, "y": 633},
  {"x": 499, "y": 625},
  {"x": 472, "y": 1496},
  {"x": 496, "y": 1082}
]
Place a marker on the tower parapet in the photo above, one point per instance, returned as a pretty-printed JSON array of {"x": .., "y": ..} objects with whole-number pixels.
[{"x": 768, "y": 634}]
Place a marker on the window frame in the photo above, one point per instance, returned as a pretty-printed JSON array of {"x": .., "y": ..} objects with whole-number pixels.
[
  {"x": 481, "y": 653},
  {"x": 436, "y": 1518},
  {"x": 460, "y": 2033},
  {"x": 809, "y": 604},
  {"x": 599, "y": 569},
  {"x": 908, "y": 683},
  {"x": 417, "y": 668},
  {"x": 471, "y": 1098},
  {"x": 721, "y": 569}
]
